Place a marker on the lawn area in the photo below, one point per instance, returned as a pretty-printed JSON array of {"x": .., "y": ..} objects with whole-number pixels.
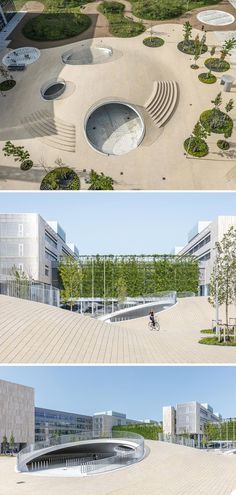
[
  {"x": 148, "y": 431},
  {"x": 119, "y": 25},
  {"x": 166, "y": 9},
  {"x": 61, "y": 19}
]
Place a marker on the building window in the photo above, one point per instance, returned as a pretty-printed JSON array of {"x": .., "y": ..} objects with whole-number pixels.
[
  {"x": 46, "y": 270},
  {"x": 21, "y": 267},
  {"x": 21, "y": 250},
  {"x": 20, "y": 229}
]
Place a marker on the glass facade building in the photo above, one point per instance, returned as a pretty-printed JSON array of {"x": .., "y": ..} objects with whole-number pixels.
[{"x": 49, "y": 423}]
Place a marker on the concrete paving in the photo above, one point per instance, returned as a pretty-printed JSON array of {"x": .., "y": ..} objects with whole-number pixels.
[
  {"x": 36, "y": 333},
  {"x": 159, "y": 162},
  {"x": 167, "y": 470}
]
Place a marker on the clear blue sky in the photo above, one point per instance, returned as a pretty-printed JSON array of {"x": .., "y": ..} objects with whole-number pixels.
[
  {"x": 139, "y": 391},
  {"x": 123, "y": 223}
]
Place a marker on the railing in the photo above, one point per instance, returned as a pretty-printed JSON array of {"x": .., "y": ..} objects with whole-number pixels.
[
  {"x": 32, "y": 453},
  {"x": 30, "y": 290},
  {"x": 61, "y": 85},
  {"x": 176, "y": 439}
]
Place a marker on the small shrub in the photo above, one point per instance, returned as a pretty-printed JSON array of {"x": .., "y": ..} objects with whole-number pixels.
[
  {"x": 26, "y": 165},
  {"x": 223, "y": 145}
]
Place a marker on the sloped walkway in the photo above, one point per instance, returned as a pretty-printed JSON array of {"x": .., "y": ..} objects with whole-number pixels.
[
  {"x": 36, "y": 333},
  {"x": 167, "y": 470}
]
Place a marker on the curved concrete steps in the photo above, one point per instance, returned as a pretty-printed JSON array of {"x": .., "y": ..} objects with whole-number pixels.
[
  {"x": 51, "y": 131},
  {"x": 162, "y": 101}
]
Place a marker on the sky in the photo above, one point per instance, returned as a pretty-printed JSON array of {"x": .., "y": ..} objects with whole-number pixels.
[
  {"x": 123, "y": 223},
  {"x": 138, "y": 391}
]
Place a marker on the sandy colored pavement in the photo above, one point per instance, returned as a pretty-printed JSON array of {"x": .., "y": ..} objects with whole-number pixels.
[
  {"x": 167, "y": 470},
  {"x": 36, "y": 333},
  {"x": 159, "y": 162}
]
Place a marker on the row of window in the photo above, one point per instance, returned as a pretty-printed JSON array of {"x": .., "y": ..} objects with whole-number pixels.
[{"x": 200, "y": 244}]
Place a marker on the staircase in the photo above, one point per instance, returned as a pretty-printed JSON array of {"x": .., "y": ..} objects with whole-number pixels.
[
  {"x": 51, "y": 131},
  {"x": 162, "y": 101}
]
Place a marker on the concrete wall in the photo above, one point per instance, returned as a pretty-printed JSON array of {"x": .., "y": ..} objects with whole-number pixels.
[{"x": 16, "y": 412}]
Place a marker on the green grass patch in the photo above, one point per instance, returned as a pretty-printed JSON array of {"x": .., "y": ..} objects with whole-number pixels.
[
  {"x": 207, "y": 330},
  {"x": 61, "y": 178},
  {"x": 166, "y": 9},
  {"x": 217, "y": 65},
  {"x": 119, "y": 25},
  {"x": 148, "y": 431},
  {"x": 215, "y": 341},
  {"x": 216, "y": 121},
  {"x": 207, "y": 78},
  {"x": 56, "y": 26},
  {"x": 153, "y": 42},
  {"x": 196, "y": 147},
  {"x": 7, "y": 85},
  {"x": 188, "y": 47}
]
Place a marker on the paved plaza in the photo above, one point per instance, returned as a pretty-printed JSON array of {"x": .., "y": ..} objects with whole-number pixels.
[
  {"x": 167, "y": 470},
  {"x": 36, "y": 333}
]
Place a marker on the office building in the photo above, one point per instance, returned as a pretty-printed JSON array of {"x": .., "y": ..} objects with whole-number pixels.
[
  {"x": 188, "y": 418},
  {"x": 7, "y": 10},
  {"x": 16, "y": 414},
  {"x": 32, "y": 245},
  {"x": 49, "y": 422},
  {"x": 201, "y": 243}
]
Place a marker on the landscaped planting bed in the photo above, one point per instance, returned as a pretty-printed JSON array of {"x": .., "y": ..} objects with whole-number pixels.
[
  {"x": 215, "y": 341},
  {"x": 197, "y": 148},
  {"x": 223, "y": 145},
  {"x": 7, "y": 85},
  {"x": 61, "y": 178},
  {"x": 207, "y": 78},
  {"x": 153, "y": 41},
  {"x": 166, "y": 9},
  {"x": 216, "y": 121},
  {"x": 217, "y": 65},
  {"x": 188, "y": 47},
  {"x": 54, "y": 26},
  {"x": 119, "y": 25}
]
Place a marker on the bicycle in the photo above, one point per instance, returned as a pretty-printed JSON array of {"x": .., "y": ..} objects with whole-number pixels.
[{"x": 156, "y": 325}]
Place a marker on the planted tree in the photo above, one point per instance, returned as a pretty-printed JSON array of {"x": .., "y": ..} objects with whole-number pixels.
[
  {"x": 187, "y": 31},
  {"x": 100, "y": 182},
  {"x": 215, "y": 120},
  {"x": 12, "y": 442},
  {"x": 4, "y": 443},
  {"x": 121, "y": 289},
  {"x": 70, "y": 274},
  {"x": 21, "y": 280},
  {"x": 227, "y": 48},
  {"x": 223, "y": 278},
  {"x": 196, "y": 144},
  {"x": 19, "y": 153}
]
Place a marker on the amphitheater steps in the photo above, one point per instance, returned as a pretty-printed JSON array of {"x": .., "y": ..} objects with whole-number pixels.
[
  {"x": 51, "y": 131},
  {"x": 162, "y": 101}
]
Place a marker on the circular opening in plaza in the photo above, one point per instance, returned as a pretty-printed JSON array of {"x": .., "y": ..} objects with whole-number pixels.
[
  {"x": 88, "y": 55},
  {"x": 53, "y": 89},
  {"x": 114, "y": 128},
  {"x": 82, "y": 454},
  {"x": 215, "y": 17}
]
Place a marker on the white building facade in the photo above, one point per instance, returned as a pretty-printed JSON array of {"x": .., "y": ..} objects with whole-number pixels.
[
  {"x": 188, "y": 418},
  {"x": 31, "y": 245},
  {"x": 201, "y": 244}
]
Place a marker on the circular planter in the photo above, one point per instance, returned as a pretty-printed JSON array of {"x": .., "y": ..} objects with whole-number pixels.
[
  {"x": 7, "y": 85},
  {"x": 223, "y": 145},
  {"x": 207, "y": 78},
  {"x": 153, "y": 42},
  {"x": 26, "y": 165},
  {"x": 216, "y": 121},
  {"x": 194, "y": 66},
  {"x": 201, "y": 150},
  {"x": 61, "y": 178},
  {"x": 189, "y": 47},
  {"x": 217, "y": 65}
]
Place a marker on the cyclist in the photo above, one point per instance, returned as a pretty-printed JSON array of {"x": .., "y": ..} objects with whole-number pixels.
[{"x": 152, "y": 318}]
